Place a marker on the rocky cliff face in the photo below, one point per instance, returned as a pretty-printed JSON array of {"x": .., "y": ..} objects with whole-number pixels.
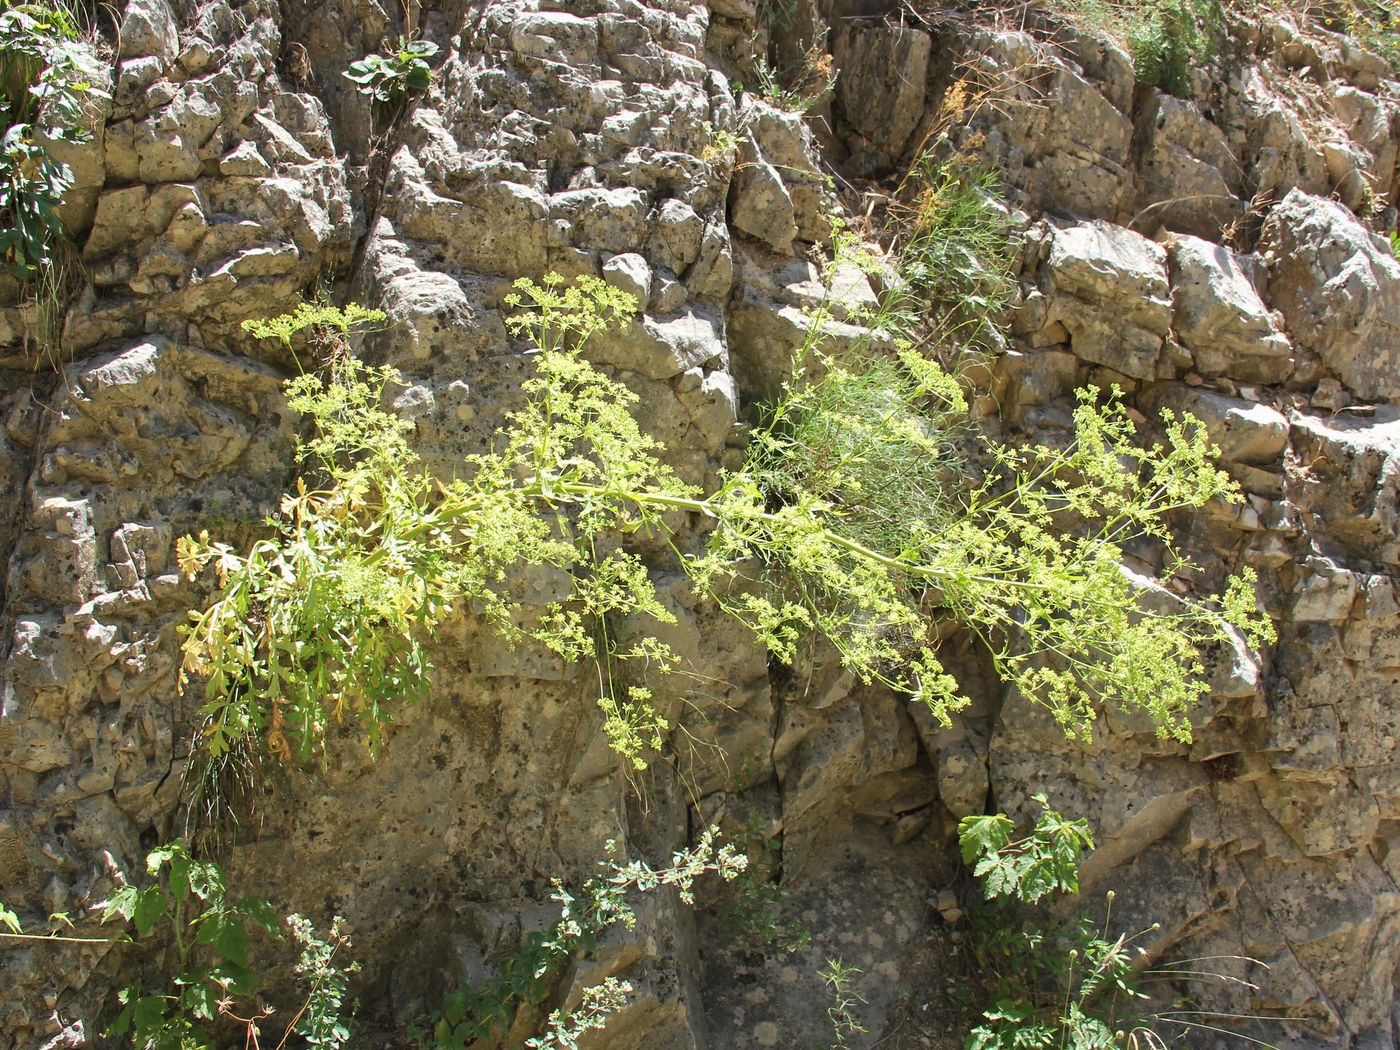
[{"x": 1217, "y": 255}]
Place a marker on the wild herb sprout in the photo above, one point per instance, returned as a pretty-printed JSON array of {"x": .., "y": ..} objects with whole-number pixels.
[
  {"x": 596, "y": 1004},
  {"x": 808, "y": 83},
  {"x": 395, "y": 76},
  {"x": 840, "y": 980},
  {"x": 1166, "y": 38}
]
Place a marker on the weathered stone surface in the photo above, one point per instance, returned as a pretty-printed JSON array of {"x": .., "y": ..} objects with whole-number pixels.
[
  {"x": 149, "y": 30},
  {"x": 1190, "y": 177},
  {"x": 1107, "y": 287},
  {"x": 1325, "y": 592},
  {"x": 1351, "y": 490},
  {"x": 1244, "y": 431},
  {"x": 770, "y": 322},
  {"x": 1285, "y": 154},
  {"x": 593, "y": 140},
  {"x": 1338, "y": 290},
  {"x": 1220, "y": 317},
  {"x": 786, "y": 142},
  {"x": 1061, "y": 135},
  {"x": 762, "y": 206},
  {"x": 881, "y": 88}
]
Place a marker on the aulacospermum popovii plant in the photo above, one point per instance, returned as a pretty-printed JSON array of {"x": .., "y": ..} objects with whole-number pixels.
[{"x": 329, "y": 616}]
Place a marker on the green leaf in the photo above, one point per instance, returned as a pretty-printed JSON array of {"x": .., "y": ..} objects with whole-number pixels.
[
  {"x": 983, "y": 834},
  {"x": 147, "y": 1016},
  {"x": 122, "y": 902},
  {"x": 206, "y": 881},
  {"x": 121, "y": 1024},
  {"x": 260, "y": 911},
  {"x": 231, "y": 941},
  {"x": 161, "y": 856},
  {"x": 201, "y": 999},
  {"x": 149, "y": 908}
]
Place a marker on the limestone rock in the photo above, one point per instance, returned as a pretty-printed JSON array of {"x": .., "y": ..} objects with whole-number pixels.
[
  {"x": 1326, "y": 592},
  {"x": 1108, "y": 288},
  {"x": 1351, "y": 491},
  {"x": 1068, "y": 145},
  {"x": 1190, "y": 176},
  {"x": 1245, "y": 432},
  {"x": 1338, "y": 290},
  {"x": 762, "y": 206},
  {"x": 149, "y": 30},
  {"x": 881, "y": 87},
  {"x": 1219, "y": 316},
  {"x": 786, "y": 142},
  {"x": 1284, "y": 151}
]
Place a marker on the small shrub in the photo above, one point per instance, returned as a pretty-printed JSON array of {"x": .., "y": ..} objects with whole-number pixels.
[
  {"x": 806, "y": 84},
  {"x": 1374, "y": 23},
  {"x": 402, "y": 72},
  {"x": 42, "y": 86},
  {"x": 1166, "y": 38},
  {"x": 484, "y": 1016},
  {"x": 188, "y": 908},
  {"x": 752, "y": 909},
  {"x": 1059, "y": 983},
  {"x": 1169, "y": 38},
  {"x": 186, "y": 923},
  {"x": 955, "y": 253},
  {"x": 1045, "y": 861},
  {"x": 596, "y": 1004}
]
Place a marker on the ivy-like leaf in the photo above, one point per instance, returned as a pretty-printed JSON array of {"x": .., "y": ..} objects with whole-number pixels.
[
  {"x": 983, "y": 834},
  {"x": 149, "y": 908}
]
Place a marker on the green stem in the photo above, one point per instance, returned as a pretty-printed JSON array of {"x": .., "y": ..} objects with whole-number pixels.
[{"x": 61, "y": 940}]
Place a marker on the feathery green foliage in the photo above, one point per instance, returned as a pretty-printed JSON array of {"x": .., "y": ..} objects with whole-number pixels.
[
  {"x": 330, "y": 614},
  {"x": 955, "y": 253},
  {"x": 840, "y": 981}
]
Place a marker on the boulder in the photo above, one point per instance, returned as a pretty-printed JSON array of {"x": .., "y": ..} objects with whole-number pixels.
[
  {"x": 1338, "y": 288},
  {"x": 1219, "y": 316},
  {"x": 1107, "y": 287},
  {"x": 760, "y": 205},
  {"x": 1245, "y": 432},
  {"x": 881, "y": 88},
  {"x": 1189, "y": 175}
]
